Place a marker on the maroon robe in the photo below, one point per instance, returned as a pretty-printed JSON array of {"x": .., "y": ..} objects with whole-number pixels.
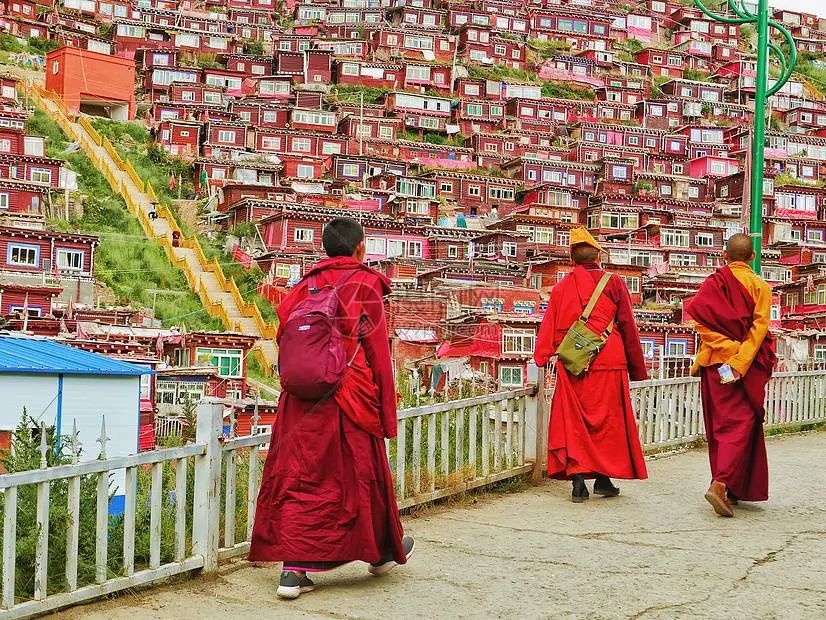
[
  {"x": 327, "y": 491},
  {"x": 592, "y": 428},
  {"x": 734, "y": 412}
]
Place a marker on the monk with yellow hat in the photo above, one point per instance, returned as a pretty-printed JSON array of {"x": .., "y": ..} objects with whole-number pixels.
[{"x": 592, "y": 431}]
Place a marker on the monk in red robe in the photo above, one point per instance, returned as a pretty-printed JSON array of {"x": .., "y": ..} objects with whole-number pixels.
[
  {"x": 592, "y": 431},
  {"x": 732, "y": 311},
  {"x": 327, "y": 493}
]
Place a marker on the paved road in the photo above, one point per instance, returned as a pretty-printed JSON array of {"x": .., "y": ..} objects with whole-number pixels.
[{"x": 657, "y": 551}]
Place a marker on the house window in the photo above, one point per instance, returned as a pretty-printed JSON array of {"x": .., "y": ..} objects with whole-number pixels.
[
  {"x": 226, "y": 136},
  {"x": 484, "y": 367},
  {"x": 70, "y": 260},
  {"x": 510, "y": 376},
  {"x": 518, "y": 340},
  {"x": 283, "y": 270},
  {"x": 376, "y": 245},
  {"x": 675, "y": 238},
  {"x": 683, "y": 260},
  {"x": 350, "y": 170},
  {"x": 474, "y": 190},
  {"x": 414, "y": 249},
  {"x": 693, "y": 192},
  {"x": 4, "y": 201},
  {"x": 676, "y": 348},
  {"x": 41, "y": 175},
  {"x": 632, "y": 283},
  {"x": 453, "y": 251},
  {"x": 385, "y": 132},
  {"x": 500, "y": 193},
  {"x": 304, "y": 235},
  {"x": 331, "y": 148},
  {"x": 509, "y": 248},
  {"x": 302, "y": 145},
  {"x": 704, "y": 240},
  {"x": 23, "y": 255},
  {"x": 304, "y": 171},
  {"x": 270, "y": 143},
  {"x": 227, "y": 361}
]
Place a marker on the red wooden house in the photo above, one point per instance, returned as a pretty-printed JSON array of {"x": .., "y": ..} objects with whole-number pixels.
[
  {"x": 22, "y": 196},
  {"x": 224, "y": 136},
  {"x": 36, "y": 299},
  {"x": 180, "y": 138},
  {"x": 663, "y": 63},
  {"x": 479, "y": 116},
  {"x": 364, "y": 73}
]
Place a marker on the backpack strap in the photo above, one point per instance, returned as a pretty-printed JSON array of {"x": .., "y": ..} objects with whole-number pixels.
[
  {"x": 312, "y": 281},
  {"x": 586, "y": 313}
]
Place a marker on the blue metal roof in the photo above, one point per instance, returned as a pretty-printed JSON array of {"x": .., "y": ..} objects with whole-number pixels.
[{"x": 38, "y": 355}]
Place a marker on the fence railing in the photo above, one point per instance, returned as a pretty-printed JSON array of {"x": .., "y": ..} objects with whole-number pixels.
[
  {"x": 669, "y": 411},
  {"x": 186, "y": 508}
]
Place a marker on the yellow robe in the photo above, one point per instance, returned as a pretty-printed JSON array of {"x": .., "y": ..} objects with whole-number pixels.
[{"x": 717, "y": 349}]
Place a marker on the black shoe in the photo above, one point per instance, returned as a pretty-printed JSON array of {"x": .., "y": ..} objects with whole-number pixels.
[
  {"x": 580, "y": 492},
  {"x": 387, "y": 563},
  {"x": 293, "y": 584},
  {"x": 603, "y": 486}
]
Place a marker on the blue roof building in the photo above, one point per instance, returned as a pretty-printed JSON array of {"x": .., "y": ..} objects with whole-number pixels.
[{"x": 60, "y": 385}]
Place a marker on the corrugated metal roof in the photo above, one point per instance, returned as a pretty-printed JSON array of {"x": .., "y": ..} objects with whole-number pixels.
[{"x": 39, "y": 355}]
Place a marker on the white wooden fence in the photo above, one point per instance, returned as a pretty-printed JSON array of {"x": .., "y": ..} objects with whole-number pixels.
[{"x": 442, "y": 450}]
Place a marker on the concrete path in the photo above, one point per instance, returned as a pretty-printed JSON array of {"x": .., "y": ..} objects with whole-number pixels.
[{"x": 657, "y": 551}]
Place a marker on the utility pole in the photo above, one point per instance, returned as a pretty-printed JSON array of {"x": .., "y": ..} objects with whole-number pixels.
[
  {"x": 762, "y": 93},
  {"x": 361, "y": 124}
]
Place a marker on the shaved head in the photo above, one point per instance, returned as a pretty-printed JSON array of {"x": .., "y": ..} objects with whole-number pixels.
[
  {"x": 582, "y": 253},
  {"x": 739, "y": 247}
]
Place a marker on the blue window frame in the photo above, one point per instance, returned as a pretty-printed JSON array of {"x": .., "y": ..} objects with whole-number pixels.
[
  {"x": 649, "y": 348},
  {"x": 23, "y": 255}
]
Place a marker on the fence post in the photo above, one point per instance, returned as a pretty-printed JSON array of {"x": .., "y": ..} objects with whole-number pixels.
[
  {"x": 207, "y": 493},
  {"x": 535, "y": 433}
]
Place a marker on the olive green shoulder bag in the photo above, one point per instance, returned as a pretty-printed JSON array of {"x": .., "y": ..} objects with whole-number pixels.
[{"x": 581, "y": 344}]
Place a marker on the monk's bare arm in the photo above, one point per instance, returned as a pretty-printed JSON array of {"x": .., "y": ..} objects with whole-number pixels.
[
  {"x": 377, "y": 349},
  {"x": 746, "y": 352}
]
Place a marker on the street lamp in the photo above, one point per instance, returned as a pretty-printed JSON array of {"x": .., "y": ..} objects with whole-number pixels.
[{"x": 762, "y": 93}]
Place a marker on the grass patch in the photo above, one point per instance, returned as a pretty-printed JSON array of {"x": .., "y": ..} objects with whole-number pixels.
[
  {"x": 125, "y": 261},
  {"x": 552, "y": 88},
  {"x": 796, "y": 428},
  {"x": 351, "y": 93},
  {"x": 151, "y": 162}
]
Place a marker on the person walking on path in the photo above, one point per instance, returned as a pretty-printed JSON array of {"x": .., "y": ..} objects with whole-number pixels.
[
  {"x": 731, "y": 312},
  {"x": 327, "y": 495},
  {"x": 592, "y": 431}
]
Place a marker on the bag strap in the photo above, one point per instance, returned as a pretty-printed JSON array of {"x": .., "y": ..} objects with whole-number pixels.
[
  {"x": 586, "y": 314},
  {"x": 312, "y": 281}
]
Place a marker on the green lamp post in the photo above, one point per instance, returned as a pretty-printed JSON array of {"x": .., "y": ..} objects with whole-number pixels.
[{"x": 763, "y": 92}]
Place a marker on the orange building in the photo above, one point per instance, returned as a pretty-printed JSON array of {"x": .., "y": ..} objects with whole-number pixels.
[{"x": 92, "y": 82}]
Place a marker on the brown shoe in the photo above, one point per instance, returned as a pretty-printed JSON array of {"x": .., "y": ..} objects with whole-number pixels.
[{"x": 716, "y": 496}]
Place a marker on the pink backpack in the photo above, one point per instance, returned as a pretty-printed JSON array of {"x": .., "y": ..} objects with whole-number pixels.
[{"x": 312, "y": 357}]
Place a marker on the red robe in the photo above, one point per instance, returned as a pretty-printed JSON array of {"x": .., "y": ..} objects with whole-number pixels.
[
  {"x": 592, "y": 428},
  {"x": 327, "y": 491},
  {"x": 734, "y": 412}
]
